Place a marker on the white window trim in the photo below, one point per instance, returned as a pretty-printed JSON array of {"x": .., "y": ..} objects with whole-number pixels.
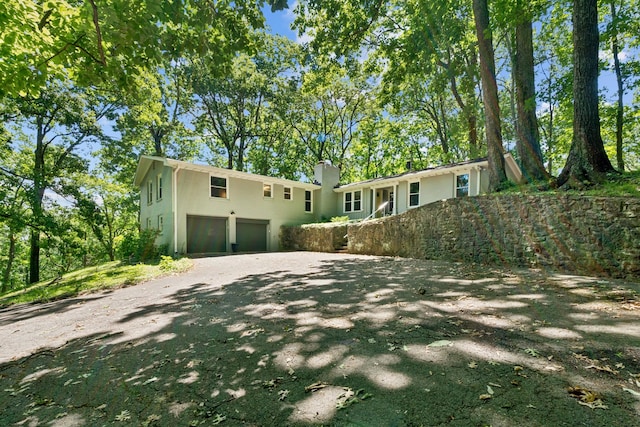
[
  {"x": 149, "y": 192},
  {"x": 284, "y": 193},
  {"x": 270, "y": 196},
  {"x": 159, "y": 188},
  {"x": 226, "y": 180},
  {"x": 409, "y": 193},
  {"x": 353, "y": 201},
  {"x": 310, "y": 201},
  {"x": 149, "y": 225},
  {"x": 160, "y": 223},
  {"x": 455, "y": 184}
]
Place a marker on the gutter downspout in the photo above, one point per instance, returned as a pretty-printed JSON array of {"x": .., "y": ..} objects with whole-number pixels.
[{"x": 174, "y": 189}]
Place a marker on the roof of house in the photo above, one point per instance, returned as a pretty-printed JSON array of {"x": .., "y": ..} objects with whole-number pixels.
[
  {"x": 145, "y": 163},
  {"x": 414, "y": 174}
]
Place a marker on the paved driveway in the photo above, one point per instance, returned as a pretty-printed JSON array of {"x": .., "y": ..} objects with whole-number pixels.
[{"x": 304, "y": 338}]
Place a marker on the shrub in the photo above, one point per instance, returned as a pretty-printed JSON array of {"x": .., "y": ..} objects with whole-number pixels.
[
  {"x": 140, "y": 247},
  {"x": 340, "y": 219}
]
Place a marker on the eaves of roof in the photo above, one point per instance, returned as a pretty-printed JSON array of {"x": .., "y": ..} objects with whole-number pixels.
[
  {"x": 413, "y": 175},
  {"x": 146, "y": 161}
]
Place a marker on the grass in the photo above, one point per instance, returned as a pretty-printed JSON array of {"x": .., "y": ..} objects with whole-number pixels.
[
  {"x": 626, "y": 184},
  {"x": 104, "y": 276}
]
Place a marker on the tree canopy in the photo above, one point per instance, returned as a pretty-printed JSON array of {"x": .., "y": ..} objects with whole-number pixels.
[{"x": 88, "y": 87}]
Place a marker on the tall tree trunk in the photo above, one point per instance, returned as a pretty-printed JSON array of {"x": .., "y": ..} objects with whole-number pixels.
[
  {"x": 6, "y": 274},
  {"x": 36, "y": 203},
  {"x": 615, "y": 47},
  {"x": 528, "y": 142},
  {"x": 497, "y": 175},
  {"x": 587, "y": 161}
]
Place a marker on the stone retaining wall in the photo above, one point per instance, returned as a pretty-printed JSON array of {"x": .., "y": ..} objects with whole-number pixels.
[{"x": 591, "y": 235}]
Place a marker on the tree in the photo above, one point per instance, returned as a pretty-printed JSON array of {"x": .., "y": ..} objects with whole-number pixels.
[
  {"x": 112, "y": 40},
  {"x": 109, "y": 209},
  {"x": 497, "y": 174},
  {"x": 61, "y": 118},
  {"x": 528, "y": 142},
  {"x": 230, "y": 110},
  {"x": 587, "y": 161}
]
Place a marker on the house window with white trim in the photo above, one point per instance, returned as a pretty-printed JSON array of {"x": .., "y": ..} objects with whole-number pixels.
[
  {"x": 159, "y": 187},
  {"x": 308, "y": 201},
  {"x": 149, "y": 192},
  {"x": 414, "y": 194},
  {"x": 353, "y": 201},
  {"x": 149, "y": 224},
  {"x": 462, "y": 185},
  {"x": 288, "y": 195},
  {"x": 218, "y": 187},
  {"x": 267, "y": 190},
  {"x": 160, "y": 223}
]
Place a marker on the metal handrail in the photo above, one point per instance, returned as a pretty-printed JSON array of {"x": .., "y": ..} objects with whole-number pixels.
[{"x": 382, "y": 206}]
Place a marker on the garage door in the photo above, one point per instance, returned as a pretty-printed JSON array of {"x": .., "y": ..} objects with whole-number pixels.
[
  {"x": 206, "y": 234},
  {"x": 251, "y": 235}
]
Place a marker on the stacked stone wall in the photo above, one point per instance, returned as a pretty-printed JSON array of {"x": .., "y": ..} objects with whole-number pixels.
[{"x": 592, "y": 235}]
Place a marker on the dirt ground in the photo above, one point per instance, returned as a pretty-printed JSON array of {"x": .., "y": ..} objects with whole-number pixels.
[{"x": 294, "y": 339}]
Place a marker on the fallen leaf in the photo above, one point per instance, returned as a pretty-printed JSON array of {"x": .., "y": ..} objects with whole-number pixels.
[
  {"x": 489, "y": 390},
  {"x": 485, "y": 396},
  {"x": 605, "y": 368},
  {"x": 283, "y": 394},
  {"x": 315, "y": 387},
  {"x": 441, "y": 343},
  {"x": 587, "y": 397},
  {"x": 473, "y": 365},
  {"x": 123, "y": 416},
  {"x": 635, "y": 393}
]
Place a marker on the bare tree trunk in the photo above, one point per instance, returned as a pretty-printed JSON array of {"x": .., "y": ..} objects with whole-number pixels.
[
  {"x": 36, "y": 204},
  {"x": 620, "y": 108},
  {"x": 587, "y": 161},
  {"x": 6, "y": 274},
  {"x": 528, "y": 142},
  {"x": 497, "y": 174}
]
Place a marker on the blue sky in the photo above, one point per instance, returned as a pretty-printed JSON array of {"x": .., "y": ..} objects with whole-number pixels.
[{"x": 280, "y": 22}]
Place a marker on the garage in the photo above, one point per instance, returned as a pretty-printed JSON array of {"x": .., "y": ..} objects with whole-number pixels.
[
  {"x": 206, "y": 234},
  {"x": 251, "y": 235}
]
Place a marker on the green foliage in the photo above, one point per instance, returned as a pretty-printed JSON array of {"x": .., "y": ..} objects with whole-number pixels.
[
  {"x": 103, "y": 276},
  {"x": 339, "y": 219},
  {"x": 168, "y": 264},
  {"x": 139, "y": 247}
]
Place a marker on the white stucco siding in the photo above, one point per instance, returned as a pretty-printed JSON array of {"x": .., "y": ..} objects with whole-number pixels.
[
  {"x": 436, "y": 188},
  {"x": 157, "y": 212},
  {"x": 245, "y": 200}
]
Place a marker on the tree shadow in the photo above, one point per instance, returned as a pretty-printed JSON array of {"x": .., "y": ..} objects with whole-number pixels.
[{"x": 350, "y": 341}]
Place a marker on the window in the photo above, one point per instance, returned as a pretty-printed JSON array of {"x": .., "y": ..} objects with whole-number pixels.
[
  {"x": 353, "y": 201},
  {"x": 159, "y": 187},
  {"x": 160, "y": 223},
  {"x": 267, "y": 190},
  {"x": 218, "y": 187},
  {"x": 462, "y": 185},
  {"x": 149, "y": 225},
  {"x": 357, "y": 200},
  {"x": 307, "y": 201},
  {"x": 287, "y": 193},
  {"x": 150, "y": 192},
  {"x": 414, "y": 193}
]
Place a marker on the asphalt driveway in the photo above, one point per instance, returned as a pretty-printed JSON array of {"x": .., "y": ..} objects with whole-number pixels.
[{"x": 329, "y": 339}]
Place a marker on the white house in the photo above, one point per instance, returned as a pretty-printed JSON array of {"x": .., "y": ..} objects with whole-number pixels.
[
  {"x": 204, "y": 209},
  {"x": 396, "y": 194}
]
